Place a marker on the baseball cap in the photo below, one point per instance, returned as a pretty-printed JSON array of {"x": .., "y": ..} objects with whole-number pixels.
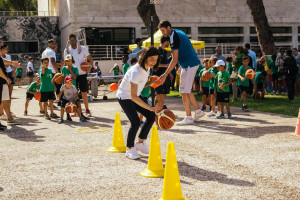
[
  {"x": 69, "y": 57},
  {"x": 219, "y": 62},
  {"x": 116, "y": 64},
  {"x": 68, "y": 78}
]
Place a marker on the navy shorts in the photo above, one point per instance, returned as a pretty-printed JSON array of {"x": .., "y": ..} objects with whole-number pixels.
[
  {"x": 275, "y": 77},
  {"x": 243, "y": 88},
  {"x": 205, "y": 91},
  {"x": 223, "y": 97},
  {"x": 82, "y": 83},
  {"x": 46, "y": 96},
  {"x": 211, "y": 91},
  {"x": 9, "y": 75},
  {"x": 164, "y": 88},
  {"x": 19, "y": 76}
]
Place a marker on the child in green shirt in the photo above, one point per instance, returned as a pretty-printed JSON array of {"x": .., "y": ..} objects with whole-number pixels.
[
  {"x": 274, "y": 74},
  {"x": 69, "y": 69},
  {"x": 212, "y": 85},
  {"x": 19, "y": 75},
  {"x": 224, "y": 80},
  {"x": 243, "y": 81},
  {"x": 30, "y": 92},
  {"x": 116, "y": 71},
  {"x": 204, "y": 85}
]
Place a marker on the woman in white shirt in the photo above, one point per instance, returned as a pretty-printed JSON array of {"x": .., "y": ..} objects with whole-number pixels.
[{"x": 128, "y": 97}]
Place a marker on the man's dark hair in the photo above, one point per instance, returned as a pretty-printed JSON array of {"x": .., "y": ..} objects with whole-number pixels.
[
  {"x": 247, "y": 46},
  {"x": 72, "y": 36},
  {"x": 164, "y": 24},
  {"x": 51, "y": 41},
  {"x": 44, "y": 58},
  {"x": 164, "y": 39},
  {"x": 137, "y": 40},
  {"x": 25, "y": 56}
]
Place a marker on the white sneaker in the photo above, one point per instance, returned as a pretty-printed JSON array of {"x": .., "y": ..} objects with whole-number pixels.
[
  {"x": 198, "y": 114},
  {"x": 142, "y": 147},
  {"x": 211, "y": 113},
  {"x": 132, "y": 154},
  {"x": 185, "y": 121},
  {"x": 3, "y": 117}
]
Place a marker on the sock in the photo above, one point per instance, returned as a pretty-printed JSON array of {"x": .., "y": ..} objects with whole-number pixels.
[{"x": 190, "y": 117}]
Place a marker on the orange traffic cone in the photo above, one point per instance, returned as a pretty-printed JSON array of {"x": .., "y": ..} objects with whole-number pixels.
[{"x": 297, "y": 131}]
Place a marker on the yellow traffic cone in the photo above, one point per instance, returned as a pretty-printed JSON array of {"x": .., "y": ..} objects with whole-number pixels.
[
  {"x": 172, "y": 187},
  {"x": 297, "y": 130},
  {"x": 118, "y": 141},
  {"x": 155, "y": 166}
]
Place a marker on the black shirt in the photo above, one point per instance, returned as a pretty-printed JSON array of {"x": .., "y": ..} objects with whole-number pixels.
[
  {"x": 164, "y": 60},
  {"x": 2, "y": 66}
]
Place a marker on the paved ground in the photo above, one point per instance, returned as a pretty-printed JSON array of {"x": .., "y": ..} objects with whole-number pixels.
[{"x": 250, "y": 157}]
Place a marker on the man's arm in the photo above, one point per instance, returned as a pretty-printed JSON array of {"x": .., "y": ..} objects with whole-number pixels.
[
  {"x": 8, "y": 62},
  {"x": 54, "y": 64},
  {"x": 2, "y": 75}
]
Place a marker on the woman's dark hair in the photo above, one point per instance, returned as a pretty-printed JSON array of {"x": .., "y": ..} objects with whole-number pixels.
[{"x": 148, "y": 52}]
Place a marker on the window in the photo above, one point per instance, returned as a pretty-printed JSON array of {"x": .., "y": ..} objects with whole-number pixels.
[
  {"x": 23, "y": 47},
  {"x": 109, "y": 36},
  {"x": 186, "y": 30},
  {"x": 222, "y": 39},
  {"x": 144, "y": 31},
  {"x": 220, "y": 30},
  {"x": 275, "y": 30}
]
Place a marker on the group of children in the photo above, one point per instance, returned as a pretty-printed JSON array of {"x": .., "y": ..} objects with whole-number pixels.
[{"x": 45, "y": 85}]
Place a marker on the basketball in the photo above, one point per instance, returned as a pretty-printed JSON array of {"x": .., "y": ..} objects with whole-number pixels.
[
  {"x": 259, "y": 95},
  {"x": 206, "y": 76},
  {"x": 70, "y": 107},
  {"x": 154, "y": 85},
  {"x": 84, "y": 65},
  {"x": 58, "y": 78},
  {"x": 250, "y": 74},
  {"x": 165, "y": 119},
  {"x": 113, "y": 87},
  {"x": 37, "y": 96}
]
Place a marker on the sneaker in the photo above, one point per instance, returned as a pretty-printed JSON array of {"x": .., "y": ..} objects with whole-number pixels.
[
  {"x": 218, "y": 114},
  {"x": 246, "y": 107},
  {"x": 3, "y": 117},
  {"x": 42, "y": 112},
  {"x": 13, "y": 122},
  {"x": 185, "y": 121},
  {"x": 221, "y": 116},
  {"x": 82, "y": 119},
  {"x": 25, "y": 113},
  {"x": 88, "y": 113},
  {"x": 86, "y": 118},
  {"x": 61, "y": 120},
  {"x": 198, "y": 114},
  {"x": 203, "y": 108},
  {"x": 142, "y": 147},
  {"x": 132, "y": 154},
  {"x": 69, "y": 117},
  {"x": 54, "y": 116},
  {"x": 229, "y": 115},
  {"x": 209, "y": 108},
  {"x": 211, "y": 113},
  {"x": 47, "y": 117}
]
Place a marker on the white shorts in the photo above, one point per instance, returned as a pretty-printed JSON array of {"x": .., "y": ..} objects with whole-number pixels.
[
  {"x": 5, "y": 93},
  {"x": 187, "y": 76}
]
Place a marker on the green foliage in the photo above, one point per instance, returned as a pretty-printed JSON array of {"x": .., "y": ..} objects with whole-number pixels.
[
  {"x": 18, "y": 5},
  {"x": 279, "y": 104}
]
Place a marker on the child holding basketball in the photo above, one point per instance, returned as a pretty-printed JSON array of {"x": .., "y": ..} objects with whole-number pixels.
[
  {"x": 243, "y": 81},
  {"x": 47, "y": 88},
  {"x": 212, "y": 85},
  {"x": 224, "y": 80},
  {"x": 69, "y": 92},
  {"x": 128, "y": 97},
  {"x": 31, "y": 91},
  {"x": 204, "y": 85},
  {"x": 69, "y": 69}
]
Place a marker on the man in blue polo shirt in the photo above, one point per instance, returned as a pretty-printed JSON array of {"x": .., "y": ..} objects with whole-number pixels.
[{"x": 184, "y": 54}]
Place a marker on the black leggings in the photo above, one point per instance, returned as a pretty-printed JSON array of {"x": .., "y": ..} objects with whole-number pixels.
[{"x": 130, "y": 108}]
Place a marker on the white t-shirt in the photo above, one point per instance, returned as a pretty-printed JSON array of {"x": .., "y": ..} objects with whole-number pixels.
[
  {"x": 78, "y": 58},
  {"x": 9, "y": 69},
  {"x": 30, "y": 65},
  {"x": 136, "y": 75},
  {"x": 49, "y": 53}
]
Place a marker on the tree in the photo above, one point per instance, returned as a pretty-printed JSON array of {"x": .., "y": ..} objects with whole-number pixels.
[
  {"x": 262, "y": 27},
  {"x": 144, "y": 10},
  {"x": 18, "y": 5}
]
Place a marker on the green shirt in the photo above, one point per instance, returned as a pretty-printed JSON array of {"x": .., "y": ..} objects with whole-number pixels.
[
  {"x": 197, "y": 77},
  {"x": 33, "y": 87},
  {"x": 19, "y": 71},
  {"x": 223, "y": 78},
  {"x": 126, "y": 66},
  {"x": 146, "y": 91},
  {"x": 242, "y": 72},
  {"x": 273, "y": 67},
  {"x": 258, "y": 78},
  {"x": 116, "y": 71},
  {"x": 239, "y": 61},
  {"x": 66, "y": 72},
  {"x": 204, "y": 83},
  {"x": 46, "y": 85},
  {"x": 213, "y": 81},
  {"x": 229, "y": 68}
]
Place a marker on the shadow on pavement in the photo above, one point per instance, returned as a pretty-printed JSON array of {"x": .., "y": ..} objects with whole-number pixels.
[
  {"x": 1, "y": 189},
  {"x": 19, "y": 133}
]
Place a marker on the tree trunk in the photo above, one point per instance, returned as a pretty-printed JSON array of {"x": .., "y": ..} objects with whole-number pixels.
[
  {"x": 263, "y": 30},
  {"x": 144, "y": 10}
]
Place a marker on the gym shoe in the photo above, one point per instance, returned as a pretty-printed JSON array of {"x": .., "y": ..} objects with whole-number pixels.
[
  {"x": 211, "y": 113},
  {"x": 221, "y": 116},
  {"x": 209, "y": 108},
  {"x": 142, "y": 147},
  {"x": 42, "y": 112},
  {"x": 61, "y": 120},
  {"x": 54, "y": 116},
  {"x": 245, "y": 107},
  {"x": 69, "y": 117},
  {"x": 88, "y": 113},
  {"x": 25, "y": 113},
  {"x": 82, "y": 119},
  {"x": 229, "y": 115},
  {"x": 198, "y": 114},
  {"x": 132, "y": 154},
  {"x": 203, "y": 108},
  {"x": 3, "y": 117},
  {"x": 47, "y": 117},
  {"x": 185, "y": 121}
]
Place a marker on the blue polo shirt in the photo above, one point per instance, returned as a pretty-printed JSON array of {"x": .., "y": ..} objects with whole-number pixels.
[{"x": 187, "y": 56}]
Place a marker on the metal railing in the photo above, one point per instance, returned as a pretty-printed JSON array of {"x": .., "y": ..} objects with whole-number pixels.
[{"x": 28, "y": 13}]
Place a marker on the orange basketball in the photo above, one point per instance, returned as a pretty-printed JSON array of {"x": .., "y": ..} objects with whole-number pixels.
[
  {"x": 165, "y": 119},
  {"x": 58, "y": 78},
  {"x": 113, "y": 87},
  {"x": 206, "y": 76},
  {"x": 84, "y": 65},
  {"x": 70, "y": 107},
  {"x": 155, "y": 78},
  {"x": 250, "y": 74},
  {"x": 37, "y": 96},
  {"x": 259, "y": 95}
]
